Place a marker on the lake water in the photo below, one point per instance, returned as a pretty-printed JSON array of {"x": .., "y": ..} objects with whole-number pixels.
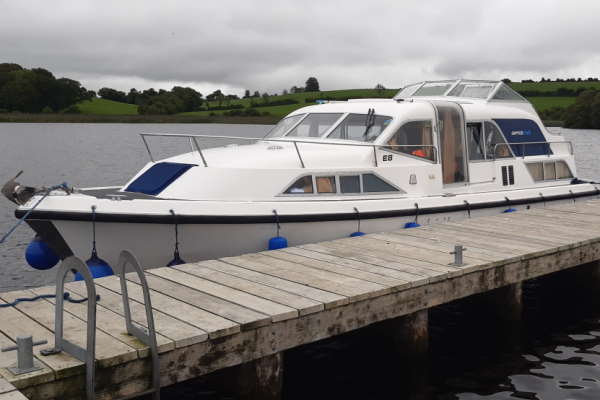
[{"x": 560, "y": 361}]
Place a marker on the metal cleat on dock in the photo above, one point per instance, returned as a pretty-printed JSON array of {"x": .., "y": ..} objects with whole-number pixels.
[{"x": 24, "y": 348}]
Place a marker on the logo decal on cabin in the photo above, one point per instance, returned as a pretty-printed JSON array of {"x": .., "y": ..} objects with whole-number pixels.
[{"x": 521, "y": 133}]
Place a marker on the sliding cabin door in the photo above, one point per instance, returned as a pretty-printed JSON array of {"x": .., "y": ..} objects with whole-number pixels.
[{"x": 451, "y": 130}]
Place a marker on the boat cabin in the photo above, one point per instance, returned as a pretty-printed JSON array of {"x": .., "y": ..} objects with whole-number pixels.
[{"x": 432, "y": 138}]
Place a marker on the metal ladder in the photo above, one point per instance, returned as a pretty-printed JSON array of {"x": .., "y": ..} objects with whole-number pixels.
[
  {"x": 146, "y": 335},
  {"x": 87, "y": 355}
]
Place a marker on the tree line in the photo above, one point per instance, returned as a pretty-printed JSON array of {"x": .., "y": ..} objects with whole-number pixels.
[
  {"x": 37, "y": 90},
  {"x": 583, "y": 114}
]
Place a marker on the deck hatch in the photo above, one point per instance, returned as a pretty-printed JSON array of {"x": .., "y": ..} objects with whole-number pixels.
[{"x": 158, "y": 177}]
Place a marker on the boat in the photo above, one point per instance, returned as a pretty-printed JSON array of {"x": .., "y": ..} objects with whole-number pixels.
[{"x": 438, "y": 151}]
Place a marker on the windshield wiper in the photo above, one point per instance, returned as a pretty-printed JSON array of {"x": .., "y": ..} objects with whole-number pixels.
[{"x": 369, "y": 122}]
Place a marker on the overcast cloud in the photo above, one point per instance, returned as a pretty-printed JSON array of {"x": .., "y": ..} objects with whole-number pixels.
[{"x": 272, "y": 45}]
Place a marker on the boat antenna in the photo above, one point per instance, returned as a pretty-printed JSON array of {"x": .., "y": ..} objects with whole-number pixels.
[{"x": 369, "y": 121}]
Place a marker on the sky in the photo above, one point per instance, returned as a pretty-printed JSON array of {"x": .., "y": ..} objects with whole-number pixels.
[{"x": 272, "y": 45}]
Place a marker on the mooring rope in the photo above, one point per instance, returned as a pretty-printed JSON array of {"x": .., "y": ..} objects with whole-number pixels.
[{"x": 66, "y": 296}]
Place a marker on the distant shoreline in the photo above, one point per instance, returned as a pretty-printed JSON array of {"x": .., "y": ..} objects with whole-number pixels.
[
  {"x": 151, "y": 119},
  {"x": 135, "y": 119}
]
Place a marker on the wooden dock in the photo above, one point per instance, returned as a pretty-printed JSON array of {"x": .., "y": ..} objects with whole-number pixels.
[{"x": 250, "y": 309}]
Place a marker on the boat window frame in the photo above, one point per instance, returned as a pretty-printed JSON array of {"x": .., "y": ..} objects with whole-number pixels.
[
  {"x": 434, "y": 141},
  {"x": 346, "y": 115},
  {"x": 324, "y": 134},
  {"x": 543, "y": 163},
  {"x": 337, "y": 175},
  {"x": 289, "y": 129}
]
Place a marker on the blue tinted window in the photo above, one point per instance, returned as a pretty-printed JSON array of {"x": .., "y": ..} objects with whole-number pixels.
[{"x": 158, "y": 177}]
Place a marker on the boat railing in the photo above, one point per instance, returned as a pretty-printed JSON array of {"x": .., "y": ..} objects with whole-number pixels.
[
  {"x": 523, "y": 146},
  {"x": 427, "y": 151}
]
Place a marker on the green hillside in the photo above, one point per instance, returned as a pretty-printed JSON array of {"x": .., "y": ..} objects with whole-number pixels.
[
  {"x": 541, "y": 103},
  {"x": 553, "y": 86},
  {"x": 98, "y": 106}
]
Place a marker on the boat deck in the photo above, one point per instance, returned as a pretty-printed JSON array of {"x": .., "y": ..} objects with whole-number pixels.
[{"x": 220, "y": 313}]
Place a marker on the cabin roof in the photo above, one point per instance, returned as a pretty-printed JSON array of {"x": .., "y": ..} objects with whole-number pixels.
[{"x": 462, "y": 89}]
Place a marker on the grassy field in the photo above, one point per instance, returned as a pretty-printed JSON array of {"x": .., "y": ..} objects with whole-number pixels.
[
  {"x": 106, "y": 107},
  {"x": 552, "y": 86},
  {"x": 101, "y": 107},
  {"x": 544, "y": 103}
]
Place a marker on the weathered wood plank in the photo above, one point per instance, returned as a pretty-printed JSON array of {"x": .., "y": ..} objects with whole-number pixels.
[
  {"x": 382, "y": 254},
  {"x": 112, "y": 324},
  {"x": 179, "y": 332},
  {"x": 15, "y": 323},
  {"x": 440, "y": 261},
  {"x": 409, "y": 279},
  {"x": 453, "y": 239},
  {"x": 353, "y": 288},
  {"x": 5, "y": 386},
  {"x": 430, "y": 242},
  {"x": 251, "y": 307},
  {"x": 392, "y": 283},
  {"x": 319, "y": 295},
  {"x": 109, "y": 351},
  {"x": 416, "y": 274},
  {"x": 213, "y": 324},
  {"x": 9, "y": 359},
  {"x": 303, "y": 305},
  {"x": 14, "y": 395}
]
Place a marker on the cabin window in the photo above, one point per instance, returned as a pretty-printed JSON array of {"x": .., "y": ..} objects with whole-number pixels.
[
  {"x": 350, "y": 184},
  {"x": 315, "y": 125},
  {"x": 433, "y": 89},
  {"x": 478, "y": 90},
  {"x": 476, "y": 141},
  {"x": 372, "y": 183},
  {"x": 506, "y": 93},
  {"x": 302, "y": 185},
  {"x": 158, "y": 177},
  {"x": 549, "y": 170},
  {"x": 562, "y": 170},
  {"x": 354, "y": 127},
  {"x": 495, "y": 145},
  {"x": 414, "y": 138},
  {"x": 326, "y": 184},
  {"x": 536, "y": 170},
  {"x": 284, "y": 125}
]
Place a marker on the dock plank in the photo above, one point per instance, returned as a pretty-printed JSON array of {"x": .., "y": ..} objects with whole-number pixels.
[
  {"x": 213, "y": 324},
  {"x": 112, "y": 324},
  {"x": 318, "y": 295},
  {"x": 255, "y": 310},
  {"x": 15, "y": 323},
  {"x": 413, "y": 273},
  {"x": 433, "y": 243},
  {"x": 352, "y": 288},
  {"x": 409, "y": 279},
  {"x": 179, "y": 332},
  {"x": 303, "y": 305},
  {"x": 109, "y": 351},
  {"x": 14, "y": 395},
  {"x": 368, "y": 276}
]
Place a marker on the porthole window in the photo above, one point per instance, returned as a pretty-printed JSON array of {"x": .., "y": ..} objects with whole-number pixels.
[
  {"x": 536, "y": 170},
  {"x": 350, "y": 184},
  {"x": 549, "y": 171},
  {"x": 562, "y": 170},
  {"x": 372, "y": 183},
  {"x": 326, "y": 184},
  {"x": 302, "y": 185}
]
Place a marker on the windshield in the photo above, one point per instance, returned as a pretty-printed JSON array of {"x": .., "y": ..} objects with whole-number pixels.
[
  {"x": 315, "y": 125},
  {"x": 354, "y": 127},
  {"x": 284, "y": 125}
]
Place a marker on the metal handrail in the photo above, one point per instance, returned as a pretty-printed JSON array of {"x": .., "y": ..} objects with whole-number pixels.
[
  {"x": 196, "y": 147},
  {"x": 523, "y": 144}
]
